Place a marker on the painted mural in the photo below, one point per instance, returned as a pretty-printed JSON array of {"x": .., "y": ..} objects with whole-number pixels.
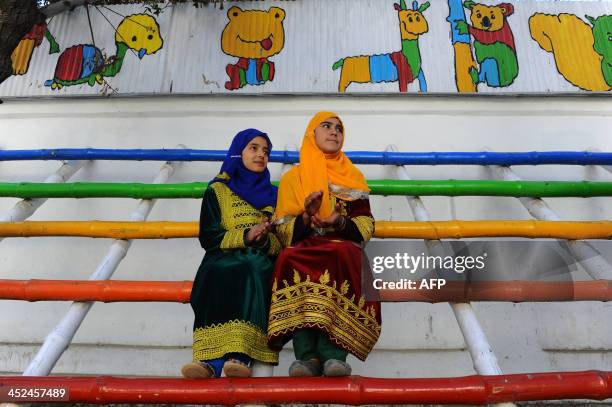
[
  {"x": 582, "y": 51},
  {"x": 22, "y": 55},
  {"x": 400, "y": 66},
  {"x": 462, "y": 48},
  {"x": 493, "y": 43},
  {"x": 322, "y": 47},
  {"x": 253, "y": 36},
  {"x": 85, "y": 63}
]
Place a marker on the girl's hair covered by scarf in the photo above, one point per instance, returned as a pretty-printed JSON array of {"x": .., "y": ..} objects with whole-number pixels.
[
  {"x": 253, "y": 187},
  {"x": 315, "y": 172}
]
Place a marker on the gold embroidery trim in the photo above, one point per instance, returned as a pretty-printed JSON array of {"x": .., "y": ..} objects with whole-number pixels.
[
  {"x": 306, "y": 303},
  {"x": 233, "y": 239},
  {"x": 236, "y": 216},
  {"x": 284, "y": 232},
  {"x": 275, "y": 245},
  {"x": 335, "y": 200},
  {"x": 215, "y": 341},
  {"x": 365, "y": 224}
]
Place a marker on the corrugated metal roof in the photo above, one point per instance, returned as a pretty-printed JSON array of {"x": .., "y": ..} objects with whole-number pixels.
[{"x": 537, "y": 47}]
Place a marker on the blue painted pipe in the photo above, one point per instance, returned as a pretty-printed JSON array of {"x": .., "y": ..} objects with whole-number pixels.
[{"x": 290, "y": 157}]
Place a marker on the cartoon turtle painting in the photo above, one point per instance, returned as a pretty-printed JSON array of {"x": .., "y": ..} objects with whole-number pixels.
[{"x": 84, "y": 63}]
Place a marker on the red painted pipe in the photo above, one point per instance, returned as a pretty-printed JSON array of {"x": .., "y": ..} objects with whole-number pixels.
[
  {"x": 179, "y": 291},
  {"x": 354, "y": 390}
]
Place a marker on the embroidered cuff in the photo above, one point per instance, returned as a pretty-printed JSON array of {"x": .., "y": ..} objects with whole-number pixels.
[{"x": 233, "y": 239}]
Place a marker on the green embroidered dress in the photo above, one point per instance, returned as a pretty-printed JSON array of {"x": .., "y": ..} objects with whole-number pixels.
[{"x": 231, "y": 291}]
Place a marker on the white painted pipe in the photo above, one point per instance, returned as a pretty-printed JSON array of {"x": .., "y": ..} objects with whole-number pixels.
[
  {"x": 589, "y": 257},
  {"x": 483, "y": 358},
  {"x": 60, "y": 337},
  {"x": 26, "y": 207}
]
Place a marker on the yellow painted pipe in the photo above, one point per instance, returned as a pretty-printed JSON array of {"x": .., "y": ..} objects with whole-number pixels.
[
  {"x": 457, "y": 229},
  {"x": 384, "y": 229}
]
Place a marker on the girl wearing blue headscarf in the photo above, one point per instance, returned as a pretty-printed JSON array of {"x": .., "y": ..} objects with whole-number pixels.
[{"x": 231, "y": 291}]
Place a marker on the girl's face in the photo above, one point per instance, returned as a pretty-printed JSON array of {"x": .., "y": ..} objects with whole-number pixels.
[
  {"x": 329, "y": 135},
  {"x": 255, "y": 155}
]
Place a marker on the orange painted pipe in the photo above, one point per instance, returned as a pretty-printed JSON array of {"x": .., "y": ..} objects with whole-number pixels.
[
  {"x": 384, "y": 229},
  {"x": 352, "y": 390},
  {"x": 508, "y": 291},
  {"x": 103, "y": 291},
  {"x": 179, "y": 291}
]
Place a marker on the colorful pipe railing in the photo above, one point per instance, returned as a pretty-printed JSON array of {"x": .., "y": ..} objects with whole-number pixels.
[
  {"x": 292, "y": 157},
  {"x": 59, "y": 338},
  {"x": 477, "y": 344},
  {"x": 378, "y": 187},
  {"x": 453, "y": 229},
  {"x": 180, "y": 291},
  {"x": 594, "y": 263},
  {"x": 352, "y": 390}
]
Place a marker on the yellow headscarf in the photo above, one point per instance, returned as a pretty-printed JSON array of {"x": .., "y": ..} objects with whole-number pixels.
[{"x": 315, "y": 172}]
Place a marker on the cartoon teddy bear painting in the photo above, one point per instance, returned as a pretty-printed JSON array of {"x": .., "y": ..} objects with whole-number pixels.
[
  {"x": 253, "y": 36},
  {"x": 493, "y": 43}
]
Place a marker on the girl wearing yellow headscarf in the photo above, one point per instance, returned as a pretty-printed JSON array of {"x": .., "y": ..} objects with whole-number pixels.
[{"x": 324, "y": 219}]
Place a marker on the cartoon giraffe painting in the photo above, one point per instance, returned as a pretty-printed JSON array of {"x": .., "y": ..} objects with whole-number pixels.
[
  {"x": 84, "y": 63},
  {"x": 401, "y": 66}
]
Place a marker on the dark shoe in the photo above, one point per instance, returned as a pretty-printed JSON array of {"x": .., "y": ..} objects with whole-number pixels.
[
  {"x": 236, "y": 368},
  {"x": 305, "y": 368},
  {"x": 197, "y": 370},
  {"x": 335, "y": 368}
]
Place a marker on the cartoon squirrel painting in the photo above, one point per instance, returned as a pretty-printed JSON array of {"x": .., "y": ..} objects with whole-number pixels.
[{"x": 583, "y": 54}]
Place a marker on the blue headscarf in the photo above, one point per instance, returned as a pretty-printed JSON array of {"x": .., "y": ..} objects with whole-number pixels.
[{"x": 253, "y": 187}]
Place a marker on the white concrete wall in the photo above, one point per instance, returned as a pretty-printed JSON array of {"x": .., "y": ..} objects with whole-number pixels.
[{"x": 418, "y": 340}]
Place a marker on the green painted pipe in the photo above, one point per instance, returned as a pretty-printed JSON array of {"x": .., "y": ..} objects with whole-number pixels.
[{"x": 381, "y": 187}]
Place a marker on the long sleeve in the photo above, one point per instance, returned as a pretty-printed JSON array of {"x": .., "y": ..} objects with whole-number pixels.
[
  {"x": 292, "y": 231},
  {"x": 213, "y": 236},
  {"x": 211, "y": 232},
  {"x": 360, "y": 223},
  {"x": 225, "y": 220}
]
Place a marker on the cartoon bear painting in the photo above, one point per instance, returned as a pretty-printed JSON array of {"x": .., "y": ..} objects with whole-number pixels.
[
  {"x": 583, "y": 54},
  {"x": 253, "y": 36},
  {"x": 493, "y": 43}
]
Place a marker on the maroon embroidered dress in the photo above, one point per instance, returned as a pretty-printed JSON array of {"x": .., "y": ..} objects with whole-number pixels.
[{"x": 317, "y": 282}]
